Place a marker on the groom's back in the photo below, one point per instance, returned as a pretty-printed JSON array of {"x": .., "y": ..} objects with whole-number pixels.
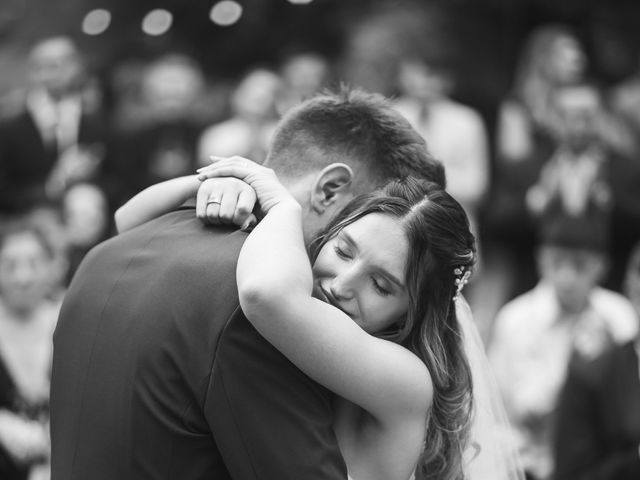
[{"x": 134, "y": 350}]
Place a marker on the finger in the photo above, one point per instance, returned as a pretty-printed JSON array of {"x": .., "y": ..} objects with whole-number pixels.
[
  {"x": 214, "y": 159},
  {"x": 239, "y": 160},
  {"x": 209, "y": 170},
  {"x": 213, "y": 210},
  {"x": 201, "y": 201},
  {"x": 226, "y": 161},
  {"x": 246, "y": 201},
  {"x": 249, "y": 223},
  {"x": 242, "y": 160},
  {"x": 224, "y": 169},
  {"x": 235, "y": 159},
  {"x": 204, "y": 169},
  {"x": 227, "y": 208}
]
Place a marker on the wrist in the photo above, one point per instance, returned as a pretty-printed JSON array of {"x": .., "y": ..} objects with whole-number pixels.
[
  {"x": 288, "y": 204},
  {"x": 193, "y": 180},
  {"x": 189, "y": 187}
]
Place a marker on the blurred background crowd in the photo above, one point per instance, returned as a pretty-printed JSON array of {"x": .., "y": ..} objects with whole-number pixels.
[{"x": 532, "y": 105}]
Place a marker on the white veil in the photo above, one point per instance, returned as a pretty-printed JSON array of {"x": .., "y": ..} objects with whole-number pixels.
[{"x": 491, "y": 453}]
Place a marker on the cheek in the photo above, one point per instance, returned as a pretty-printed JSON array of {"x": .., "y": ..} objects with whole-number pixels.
[
  {"x": 322, "y": 266},
  {"x": 327, "y": 263},
  {"x": 381, "y": 312}
]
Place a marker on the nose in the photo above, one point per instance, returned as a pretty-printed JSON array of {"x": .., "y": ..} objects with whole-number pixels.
[{"x": 342, "y": 285}]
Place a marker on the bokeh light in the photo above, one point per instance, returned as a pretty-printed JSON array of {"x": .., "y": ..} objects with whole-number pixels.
[
  {"x": 300, "y": 2},
  {"x": 157, "y": 22},
  {"x": 96, "y": 21},
  {"x": 226, "y": 13}
]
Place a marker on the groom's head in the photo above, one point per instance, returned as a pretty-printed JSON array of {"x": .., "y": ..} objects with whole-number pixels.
[{"x": 338, "y": 145}]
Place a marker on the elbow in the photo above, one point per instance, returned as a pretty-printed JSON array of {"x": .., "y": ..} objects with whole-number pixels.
[
  {"x": 257, "y": 297},
  {"x": 251, "y": 293},
  {"x": 119, "y": 220},
  {"x": 123, "y": 220}
]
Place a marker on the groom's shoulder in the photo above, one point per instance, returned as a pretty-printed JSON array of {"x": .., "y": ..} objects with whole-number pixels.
[{"x": 176, "y": 237}]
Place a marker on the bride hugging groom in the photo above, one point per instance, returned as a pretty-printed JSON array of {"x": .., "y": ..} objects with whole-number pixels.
[{"x": 330, "y": 342}]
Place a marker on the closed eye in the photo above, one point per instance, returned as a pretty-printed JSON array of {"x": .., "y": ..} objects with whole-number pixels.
[
  {"x": 342, "y": 253},
  {"x": 380, "y": 289}
]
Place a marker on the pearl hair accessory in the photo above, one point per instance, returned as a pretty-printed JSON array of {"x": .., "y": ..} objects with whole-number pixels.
[{"x": 462, "y": 277}]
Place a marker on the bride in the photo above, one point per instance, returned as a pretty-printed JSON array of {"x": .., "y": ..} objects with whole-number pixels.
[{"x": 370, "y": 312}]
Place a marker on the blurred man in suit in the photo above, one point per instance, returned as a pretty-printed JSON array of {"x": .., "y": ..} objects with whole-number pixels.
[
  {"x": 536, "y": 334},
  {"x": 57, "y": 135},
  {"x": 598, "y": 432}
]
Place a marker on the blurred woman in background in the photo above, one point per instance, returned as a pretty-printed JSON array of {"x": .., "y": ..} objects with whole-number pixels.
[
  {"x": 552, "y": 57},
  {"x": 27, "y": 321}
]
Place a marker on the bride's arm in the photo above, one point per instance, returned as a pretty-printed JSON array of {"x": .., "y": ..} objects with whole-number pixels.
[
  {"x": 236, "y": 200},
  {"x": 154, "y": 201},
  {"x": 275, "y": 289},
  {"x": 275, "y": 286}
]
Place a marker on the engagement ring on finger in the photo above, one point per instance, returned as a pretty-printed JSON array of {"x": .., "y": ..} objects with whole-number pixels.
[{"x": 214, "y": 201}]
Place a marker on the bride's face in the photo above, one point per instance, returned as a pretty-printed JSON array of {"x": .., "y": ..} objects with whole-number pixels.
[{"x": 362, "y": 272}]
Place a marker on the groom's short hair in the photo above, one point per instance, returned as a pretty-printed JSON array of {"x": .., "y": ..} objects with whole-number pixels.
[{"x": 355, "y": 125}]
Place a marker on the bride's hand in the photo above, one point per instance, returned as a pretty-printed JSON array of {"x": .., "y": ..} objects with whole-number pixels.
[
  {"x": 268, "y": 188},
  {"x": 226, "y": 201}
]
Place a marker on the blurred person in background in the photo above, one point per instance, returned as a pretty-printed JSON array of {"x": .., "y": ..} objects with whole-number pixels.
[
  {"x": 552, "y": 56},
  {"x": 27, "y": 320},
  {"x": 86, "y": 217},
  {"x": 536, "y": 333},
  {"x": 575, "y": 176},
  {"x": 598, "y": 431},
  {"x": 625, "y": 103},
  {"x": 248, "y": 132},
  {"x": 587, "y": 175},
  {"x": 525, "y": 131},
  {"x": 163, "y": 144},
  {"x": 303, "y": 74},
  {"x": 455, "y": 133},
  {"x": 57, "y": 137},
  {"x": 49, "y": 221}
]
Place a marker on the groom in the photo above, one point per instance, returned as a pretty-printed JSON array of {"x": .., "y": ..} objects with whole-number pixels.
[{"x": 156, "y": 372}]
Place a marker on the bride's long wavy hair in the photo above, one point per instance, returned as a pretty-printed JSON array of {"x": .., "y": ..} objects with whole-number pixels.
[{"x": 441, "y": 249}]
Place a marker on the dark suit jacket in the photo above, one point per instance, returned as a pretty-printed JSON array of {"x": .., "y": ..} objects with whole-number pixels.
[
  {"x": 599, "y": 419},
  {"x": 26, "y": 160},
  {"x": 158, "y": 375}
]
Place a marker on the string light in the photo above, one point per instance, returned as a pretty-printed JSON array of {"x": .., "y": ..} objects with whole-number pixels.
[
  {"x": 157, "y": 22},
  {"x": 96, "y": 21},
  {"x": 226, "y": 13}
]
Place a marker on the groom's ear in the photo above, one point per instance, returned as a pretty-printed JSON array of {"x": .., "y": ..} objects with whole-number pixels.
[{"x": 332, "y": 188}]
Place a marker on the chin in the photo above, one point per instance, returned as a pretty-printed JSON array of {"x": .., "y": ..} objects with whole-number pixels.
[{"x": 317, "y": 292}]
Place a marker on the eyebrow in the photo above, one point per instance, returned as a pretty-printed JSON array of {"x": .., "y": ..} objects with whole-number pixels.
[{"x": 352, "y": 243}]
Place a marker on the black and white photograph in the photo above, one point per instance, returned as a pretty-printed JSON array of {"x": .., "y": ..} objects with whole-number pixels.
[{"x": 319, "y": 240}]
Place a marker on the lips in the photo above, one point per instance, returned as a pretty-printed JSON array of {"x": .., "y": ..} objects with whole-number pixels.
[{"x": 330, "y": 299}]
